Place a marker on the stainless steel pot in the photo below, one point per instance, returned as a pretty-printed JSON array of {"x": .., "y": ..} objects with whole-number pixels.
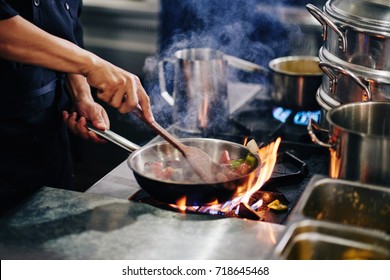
[
  {"x": 199, "y": 97},
  {"x": 346, "y": 82},
  {"x": 356, "y": 31},
  {"x": 295, "y": 80},
  {"x": 359, "y": 142}
]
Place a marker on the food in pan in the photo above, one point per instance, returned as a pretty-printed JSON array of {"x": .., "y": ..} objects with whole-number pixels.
[{"x": 181, "y": 171}]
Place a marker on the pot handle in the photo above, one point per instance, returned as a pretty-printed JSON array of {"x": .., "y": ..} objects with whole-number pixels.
[
  {"x": 312, "y": 123},
  {"x": 161, "y": 77},
  {"x": 334, "y": 78},
  {"x": 245, "y": 65},
  {"x": 115, "y": 138},
  {"x": 327, "y": 22}
]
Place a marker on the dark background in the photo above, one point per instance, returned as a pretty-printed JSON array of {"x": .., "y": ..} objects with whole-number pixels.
[{"x": 235, "y": 27}]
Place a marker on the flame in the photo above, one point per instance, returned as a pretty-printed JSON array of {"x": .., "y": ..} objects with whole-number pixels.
[
  {"x": 181, "y": 204},
  {"x": 246, "y": 140},
  {"x": 335, "y": 164},
  {"x": 268, "y": 156}
]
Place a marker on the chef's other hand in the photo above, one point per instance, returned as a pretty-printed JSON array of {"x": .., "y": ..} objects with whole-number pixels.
[
  {"x": 87, "y": 110},
  {"x": 119, "y": 88}
]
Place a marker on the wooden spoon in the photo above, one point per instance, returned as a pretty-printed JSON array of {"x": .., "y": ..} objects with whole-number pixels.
[{"x": 199, "y": 160}]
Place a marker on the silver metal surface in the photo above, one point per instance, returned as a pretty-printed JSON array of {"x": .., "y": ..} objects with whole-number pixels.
[
  {"x": 338, "y": 219},
  {"x": 346, "y": 82},
  {"x": 314, "y": 240},
  {"x": 348, "y": 203},
  {"x": 356, "y": 31},
  {"x": 359, "y": 142},
  {"x": 332, "y": 71},
  {"x": 199, "y": 89},
  {"x": 295, "y": 80},
  {"x": 59, "y": 224},
  {"x": 116, "y": 139},
  {"x": 314, "y": 137}
]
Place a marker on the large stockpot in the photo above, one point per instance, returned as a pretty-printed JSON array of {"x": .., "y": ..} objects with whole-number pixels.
[
  {"x": 356, "y": 31},
  {"x": 359, "y": 142},
  {"x": 187, "y": 192}
]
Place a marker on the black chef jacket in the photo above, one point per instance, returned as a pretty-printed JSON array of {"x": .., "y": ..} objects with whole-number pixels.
[{"x": 34, "y": 145}]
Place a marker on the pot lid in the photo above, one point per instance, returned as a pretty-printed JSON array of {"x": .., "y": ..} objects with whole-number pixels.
[{"x": 374, "y": 14}]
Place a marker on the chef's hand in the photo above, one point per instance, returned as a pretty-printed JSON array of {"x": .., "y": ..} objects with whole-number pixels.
[
  {"x": 91, "y": 111},
  {"x": 84, "y": 108},
  {"x": 118, "y": 88}
]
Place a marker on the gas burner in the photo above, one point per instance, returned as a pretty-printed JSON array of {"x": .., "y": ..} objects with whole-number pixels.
[
  {"x": 295, "y": 117},
  {"x": 266, "y": 121},
  {"x": 295, "y": 165}
]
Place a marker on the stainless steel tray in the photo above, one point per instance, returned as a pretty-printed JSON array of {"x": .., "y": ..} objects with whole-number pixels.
[
  {"x": 317, "y": 240},
  {"x": 346, "y": 202},
  {"x": 338, "y": 219}
]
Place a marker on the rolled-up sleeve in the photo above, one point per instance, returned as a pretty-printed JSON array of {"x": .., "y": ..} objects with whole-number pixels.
[{"x": 6, "y": 11}]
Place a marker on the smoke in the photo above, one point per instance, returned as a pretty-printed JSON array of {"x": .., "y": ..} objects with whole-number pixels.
[{"x": 235, "y": 27}]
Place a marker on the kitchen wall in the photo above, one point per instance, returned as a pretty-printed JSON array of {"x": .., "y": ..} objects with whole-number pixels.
[{"x": 121, "y": 31}]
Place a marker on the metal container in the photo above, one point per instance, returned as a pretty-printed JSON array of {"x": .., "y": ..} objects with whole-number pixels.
[
  {"x": 314, "y": 240},
  {"x": 345, "y": 82},
  {"x": 199, "y": 98},
  {"x": 338, "y": 219},
  {"x": 295, "y": 80},
  {"x": 356, "y": 31},
  {"x": 199, "y": 90},
  {"x": 348, "y": 203},
  {"x": 359, "y": 142}
]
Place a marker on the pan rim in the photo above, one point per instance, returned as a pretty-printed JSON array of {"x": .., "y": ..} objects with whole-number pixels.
[{"x": 132, "y": 156}]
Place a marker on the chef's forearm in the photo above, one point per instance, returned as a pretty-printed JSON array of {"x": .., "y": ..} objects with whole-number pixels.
[
  {"x": 79, "y": 88},
  {"x": 23, "y": 42}
]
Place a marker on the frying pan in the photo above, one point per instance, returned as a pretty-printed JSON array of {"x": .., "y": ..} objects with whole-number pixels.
[{"x": 195, "y": 193}]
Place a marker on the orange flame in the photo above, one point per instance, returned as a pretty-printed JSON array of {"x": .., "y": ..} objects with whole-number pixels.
[
  {"x": 268, "y": 156},
  {"x": 245, "y": 140},
  {"x": 181, "y": 204},
  {"x": 335, "y": 163}
]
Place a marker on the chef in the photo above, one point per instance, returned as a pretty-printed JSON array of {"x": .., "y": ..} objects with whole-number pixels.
[{"x": 45, "y": 87}]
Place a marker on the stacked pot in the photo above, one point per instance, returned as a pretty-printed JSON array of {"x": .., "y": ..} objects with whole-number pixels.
[
  {"x": 355, "y": 56},
  {"x": 355, "y": 91}
]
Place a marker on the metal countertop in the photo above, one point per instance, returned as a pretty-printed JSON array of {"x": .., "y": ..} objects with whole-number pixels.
[{"x": 60, "y": 224}]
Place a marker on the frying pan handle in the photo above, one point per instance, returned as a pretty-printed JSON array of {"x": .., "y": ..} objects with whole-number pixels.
[{"x": 116, "y": 139}]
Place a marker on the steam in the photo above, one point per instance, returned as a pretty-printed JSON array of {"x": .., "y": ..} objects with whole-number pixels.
[{"x": 236, "y": 27}]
